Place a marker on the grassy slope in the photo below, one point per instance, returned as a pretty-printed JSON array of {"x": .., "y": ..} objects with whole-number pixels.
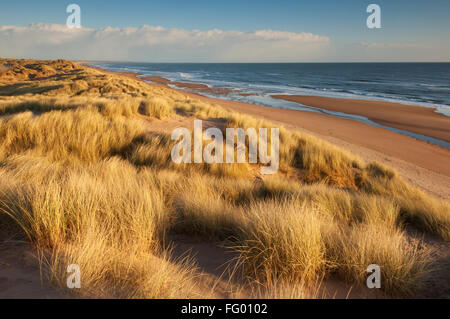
[{"x": 87, "y": 183}]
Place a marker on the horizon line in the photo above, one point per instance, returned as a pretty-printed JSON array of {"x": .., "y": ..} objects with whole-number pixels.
[{"x": 323, "y": 62}]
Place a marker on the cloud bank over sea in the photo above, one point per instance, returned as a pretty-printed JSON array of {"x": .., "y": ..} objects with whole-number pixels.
[{"x": 159, "y": 44}]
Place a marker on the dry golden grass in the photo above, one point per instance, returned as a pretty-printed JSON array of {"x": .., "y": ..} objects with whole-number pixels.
[
  {"x": 207, "y": 209},
  {"x": 88, "y": 185},
  {"x": 290, "y": 290},
  {"x": 281, "y": 241},
  {"x": 403, "y": 263},
  {"x": 80, "y": 134},
  {"x": 111, "y": 271},
  {"x": 108, "y": 219},
  {"x": 155, "y": 151},
  {"x": 157, "y": 107}
]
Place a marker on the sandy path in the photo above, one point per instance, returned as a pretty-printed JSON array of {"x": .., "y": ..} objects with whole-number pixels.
[
  {"x": 20, "y": 275},
  {"x": 218, "y": 278}
]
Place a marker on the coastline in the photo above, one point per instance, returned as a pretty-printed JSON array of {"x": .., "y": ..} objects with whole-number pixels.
[
  {"x": 423, "y": 164},
  {"x": 412, "y": 118},
  {"x": 419, "y": 122},
  {"x": 421, "y": 153},
  {"x": 103, "y": 140}
]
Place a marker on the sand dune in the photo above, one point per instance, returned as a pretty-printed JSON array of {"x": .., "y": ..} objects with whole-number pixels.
[
  {"x": 424, "y": 165},
  {"x": 99, "y": 137}
]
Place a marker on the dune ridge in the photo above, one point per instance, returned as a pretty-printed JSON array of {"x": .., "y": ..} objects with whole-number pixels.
[{"x": 86, "y": 178}]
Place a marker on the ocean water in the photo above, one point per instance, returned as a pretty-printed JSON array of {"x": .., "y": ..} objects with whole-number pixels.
[{"x": 425, "y": 84}]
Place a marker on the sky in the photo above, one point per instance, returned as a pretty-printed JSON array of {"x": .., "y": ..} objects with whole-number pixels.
[{"x": 227, "y": 31}]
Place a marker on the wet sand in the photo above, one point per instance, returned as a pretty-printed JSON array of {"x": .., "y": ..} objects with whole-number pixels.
[
  {"x": 417, "y": 119},
  {"x": 202, "y": 88}
]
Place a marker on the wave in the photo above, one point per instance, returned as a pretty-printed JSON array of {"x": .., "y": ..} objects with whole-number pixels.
[
  {"x": 263, "y": 83},
  {"x": 185, "y": 75},
  {"x": 262, "y": 88}
]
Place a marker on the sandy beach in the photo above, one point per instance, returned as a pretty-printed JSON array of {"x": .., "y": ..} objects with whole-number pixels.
[{"x": 417, "y": 119}]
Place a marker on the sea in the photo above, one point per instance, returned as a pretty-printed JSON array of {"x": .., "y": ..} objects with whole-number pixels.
[{"x": 423, "y": 84}]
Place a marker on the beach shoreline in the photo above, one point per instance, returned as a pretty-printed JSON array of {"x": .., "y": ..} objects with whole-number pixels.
[
  {"x": 425, "y": 165},
  {"x": 412, "y": 118},
  {"x": 416, "y": 121}
]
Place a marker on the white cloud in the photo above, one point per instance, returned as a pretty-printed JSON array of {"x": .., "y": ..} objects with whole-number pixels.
[{"x": 159, "y": 44}]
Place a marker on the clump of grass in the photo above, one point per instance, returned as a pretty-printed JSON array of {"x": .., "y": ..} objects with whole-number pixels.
[
  {"x": 335, "y": 204},
  {"x": 38, "y": 105},
  {"x": 403, "y": 263},
  {"x": 379, "y": 170},
  {"x": 203, "y": 211},
  {"x": 155, "y": 151},
  {"x": 376, "y": 210},
  {"x": 200, "y": 109},
  {"x": 323, "y": 163},
  {"x": 81, "y": 134},
  {"x": 111, "y": 221},
  {"x": 157, "y": 107},
  {"x": 114, "y": 270},
  {"x": 278, "y": 187},
  {"x": 114, "y": 107},
  {"x": 53, "y": 214},
  {"x": 282, "y": 241},
  {"x": 418, "y": 209}
]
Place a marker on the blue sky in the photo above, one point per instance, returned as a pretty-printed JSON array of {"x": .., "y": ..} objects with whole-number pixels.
[{"x": 410, "y": 23}]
